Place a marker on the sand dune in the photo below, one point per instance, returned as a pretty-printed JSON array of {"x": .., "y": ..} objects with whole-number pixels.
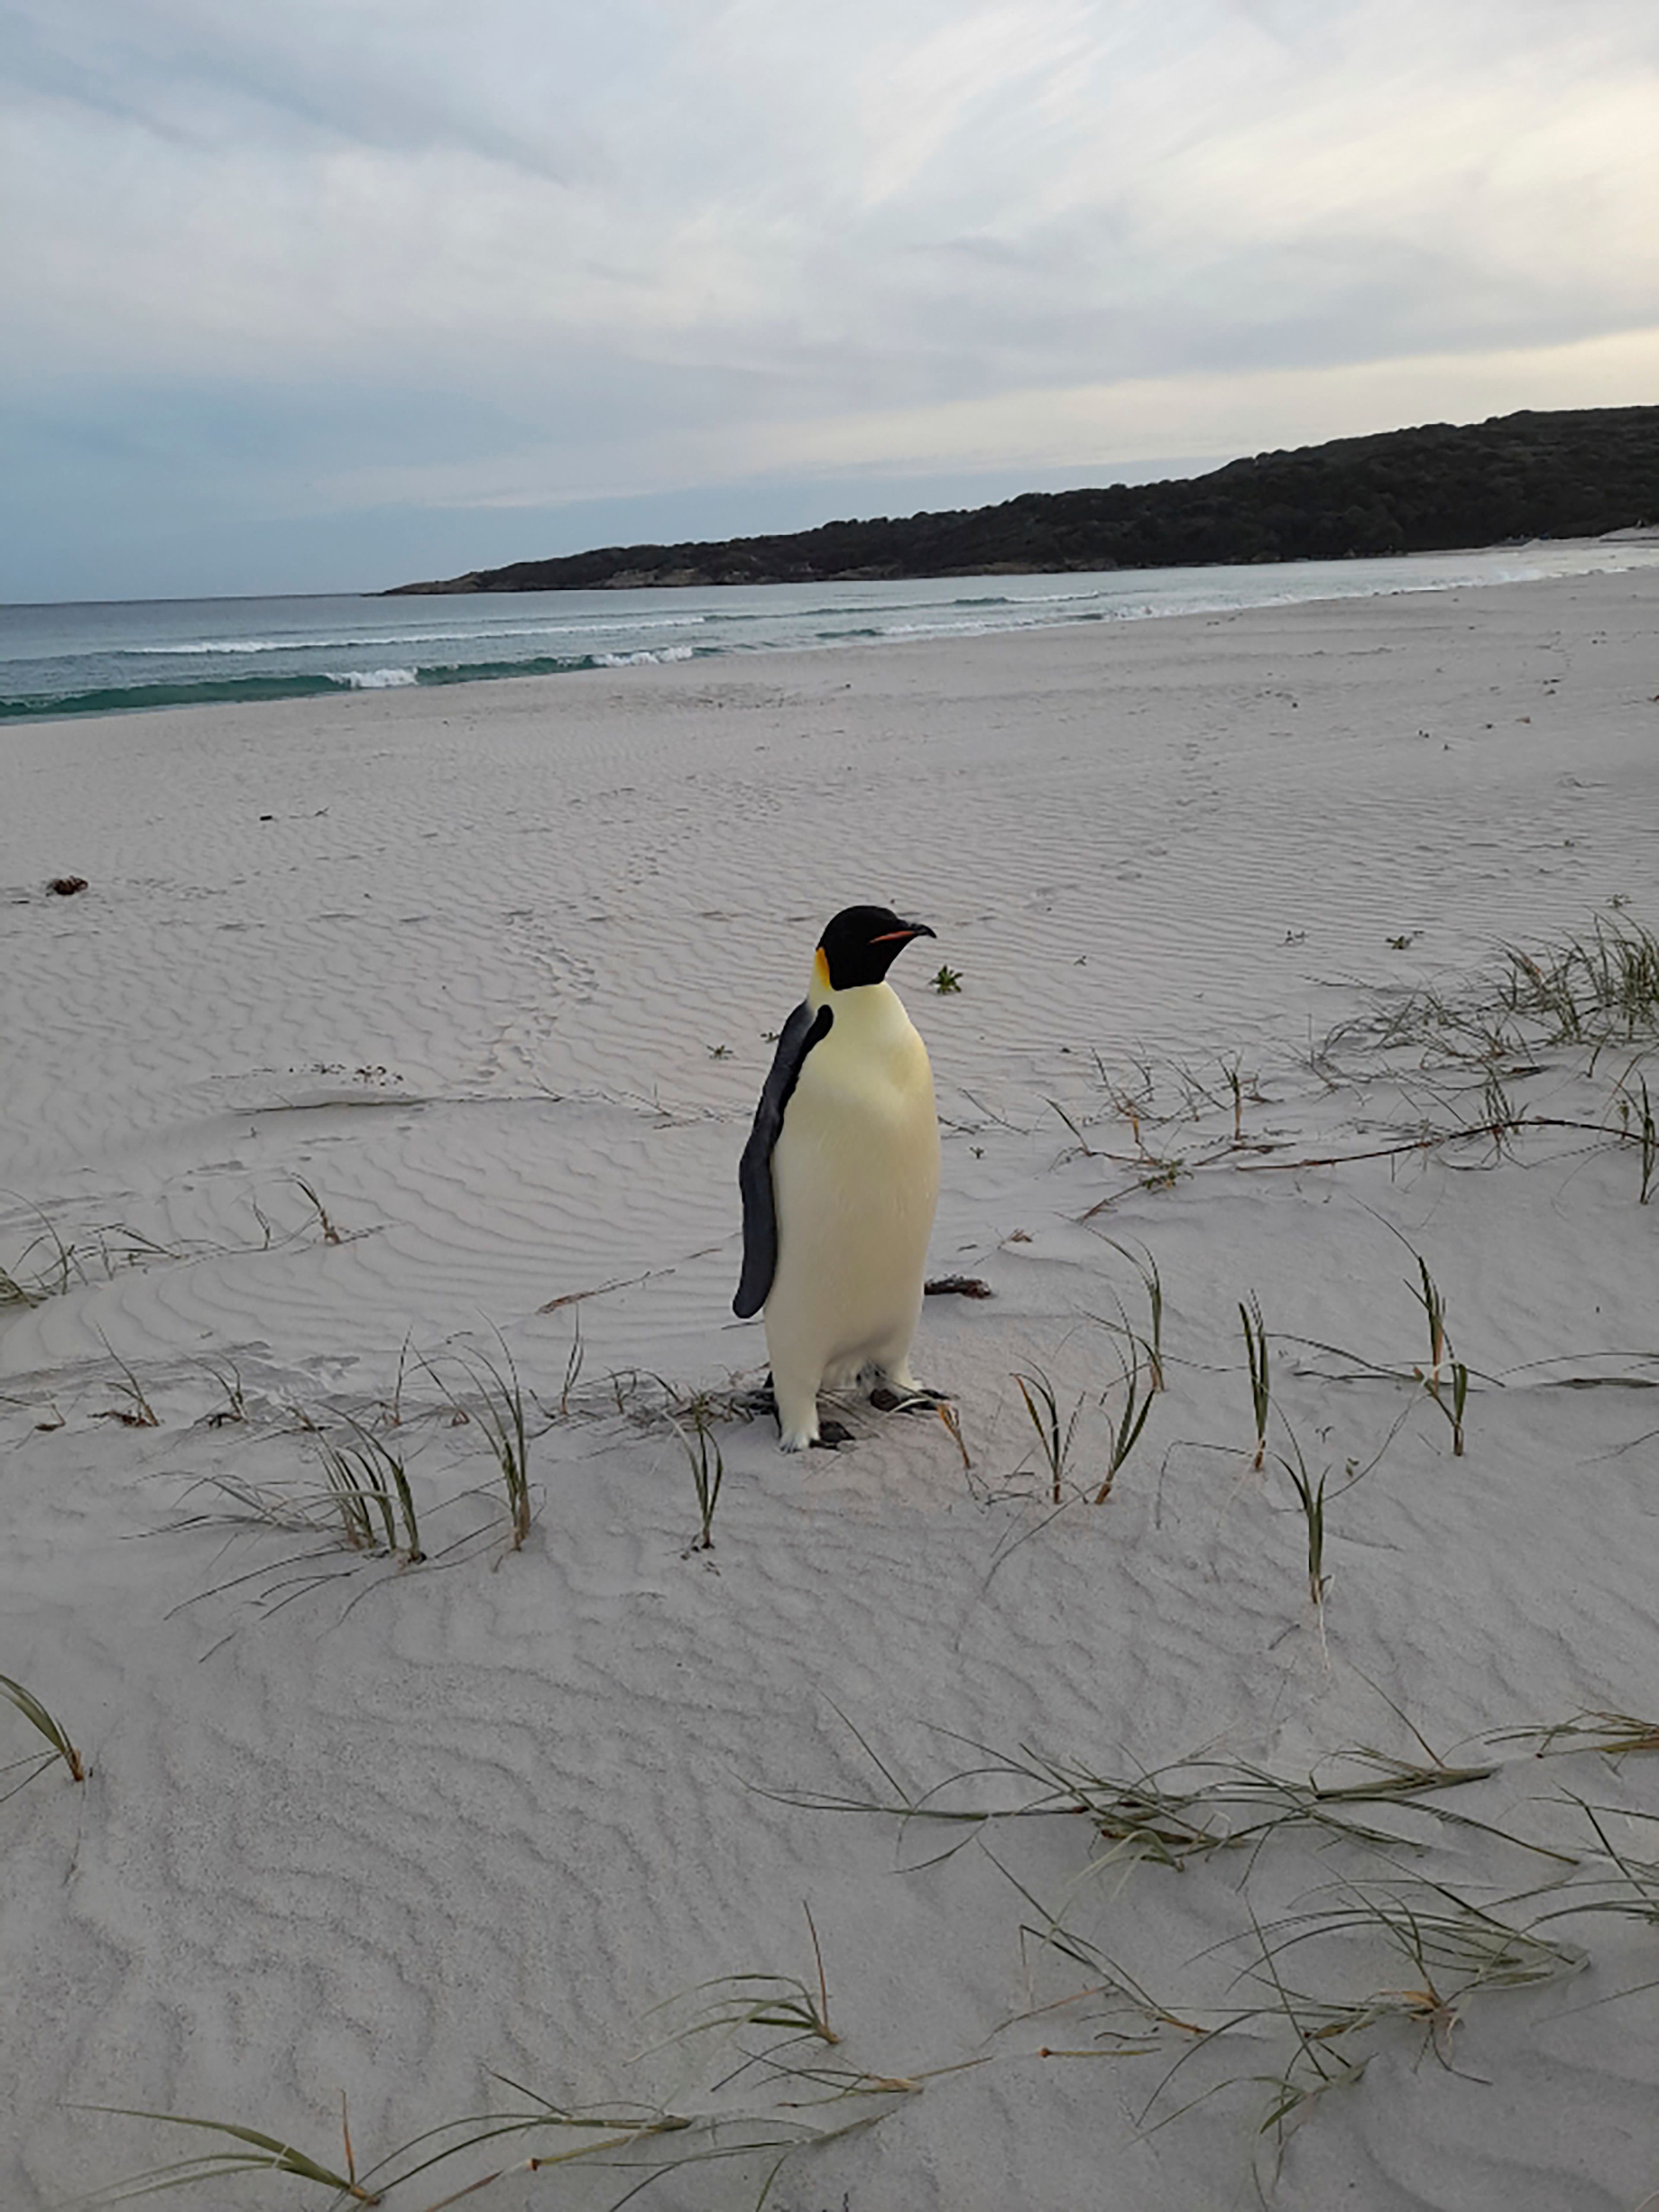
[{"x": 491, "y": 972}]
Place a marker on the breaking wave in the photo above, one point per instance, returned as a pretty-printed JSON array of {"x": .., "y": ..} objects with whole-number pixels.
[{"x": 241, "y": 690}]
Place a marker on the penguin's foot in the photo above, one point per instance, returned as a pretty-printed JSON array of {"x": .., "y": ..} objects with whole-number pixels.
[
  {"x": 916, "y": 1399},
  {"x": 797, "y": 1412},
  {"x": 830, "y": 1436}
]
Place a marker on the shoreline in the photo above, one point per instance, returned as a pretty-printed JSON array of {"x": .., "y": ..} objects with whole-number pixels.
[
  {"x": 582, "y": 648},
  {"x": 641, "y": 579}
]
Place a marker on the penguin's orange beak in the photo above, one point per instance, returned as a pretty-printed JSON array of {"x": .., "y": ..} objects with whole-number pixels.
[{"x": 903, "y": 936}]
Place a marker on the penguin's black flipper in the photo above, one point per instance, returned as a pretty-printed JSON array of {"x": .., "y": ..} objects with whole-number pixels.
[{"x": 800, "y": 1033}]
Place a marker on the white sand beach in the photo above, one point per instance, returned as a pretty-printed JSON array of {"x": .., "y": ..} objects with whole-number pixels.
[{"x": 404, "y": 1038}]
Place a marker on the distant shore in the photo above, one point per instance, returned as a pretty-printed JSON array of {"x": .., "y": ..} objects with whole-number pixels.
[{"x": 1573, "y": 473}]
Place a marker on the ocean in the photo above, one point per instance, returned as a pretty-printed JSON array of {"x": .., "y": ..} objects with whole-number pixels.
[{"x": 116, "y": 656}]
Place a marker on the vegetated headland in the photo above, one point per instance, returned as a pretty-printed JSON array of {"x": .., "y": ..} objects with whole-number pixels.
[{"x": 1575, "y": 472}]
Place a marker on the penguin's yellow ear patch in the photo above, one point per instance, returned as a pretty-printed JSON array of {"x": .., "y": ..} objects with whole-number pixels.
[{"x": 821, "y": 969}]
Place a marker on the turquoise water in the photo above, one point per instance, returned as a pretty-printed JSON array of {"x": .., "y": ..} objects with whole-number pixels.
[{"x": 102, "y": 658}]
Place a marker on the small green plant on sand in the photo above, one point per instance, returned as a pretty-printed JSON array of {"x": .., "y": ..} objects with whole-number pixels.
[
  {"x": 331, "y": 1234},
  {"x": 574, "y": 1362},
  {"x": 500, "y": 1413},
  {"x": 29, "y": 1280},
  {"x": 1449, "y": 1389},
  {"x": 1233, "y": 1075},
  {"x": 229, "y": 1379},
  {"x": 1082, "y": 1144},
  {"x": 137, "y": 1412},
  {"x": 1153, "y": 1283},
  {"x": 947, "y": 981},
  {"x": 1310, "y": 1498},
  {"x": 43, "y": 1722},
  {"x": 1632, "y": 1106},
  {"x": 1124, "y": 1432},
  {"x": 1255, "y": 1352},
  {"x": 1053, "y": 1436}
]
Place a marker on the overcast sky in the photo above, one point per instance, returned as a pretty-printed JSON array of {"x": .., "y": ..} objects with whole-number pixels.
[{"x": 315, "y": 294}]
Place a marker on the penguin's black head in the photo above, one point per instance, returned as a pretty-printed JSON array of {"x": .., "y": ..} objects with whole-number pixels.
[{"x": 861, "y": 943}]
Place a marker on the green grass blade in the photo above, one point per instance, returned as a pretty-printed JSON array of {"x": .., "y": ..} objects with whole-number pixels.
[{"x": 39, "y": 1719}]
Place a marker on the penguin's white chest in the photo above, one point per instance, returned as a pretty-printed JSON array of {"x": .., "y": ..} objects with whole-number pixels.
[{"x": 855, "y": 1174}]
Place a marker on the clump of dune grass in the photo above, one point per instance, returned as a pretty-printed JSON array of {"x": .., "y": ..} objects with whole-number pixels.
[
  {"x": 255, "y": 2153},
  {"x": 1174, "y": 1815},
  {"x": 1133, "y": 1103},
  {"x": 1451, "y": 1949},
  {"x": 810, "y": 2101},
  {"x": 45, "y": 1267},
  {"x": 331, "y": 1234},
  {"x": 365, "y": 1500},
  {"x": 1328, "y": 1984},
  {"x": 497, "y": 1403},
  {"x": 1616, "y": 1734},
  {"x": 643, "y": 2140},
  {"x": 17, "y": 1288},
  {"x": 369, "y": 1486},
  {"x": 49, "y": 1265},
  {"x": 1055, "y": 1435},
  {"x": 229, "y": 1379},
  {"x": 1256, "y": 1353},
  {"x": 499, "y": 1410},
  {"x": 780, "y": 2001},
  {"x": 137, "y": 1412},
  {"x": 44, "y": 1724},
  {"x": 708, "y": 1465},
  {"x": 1151, "y": 1284},
  {"x": 1596, "y": 990}
]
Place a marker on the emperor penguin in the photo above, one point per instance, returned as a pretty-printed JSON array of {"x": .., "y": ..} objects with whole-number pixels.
[{"x": 840, "y": 1178}]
